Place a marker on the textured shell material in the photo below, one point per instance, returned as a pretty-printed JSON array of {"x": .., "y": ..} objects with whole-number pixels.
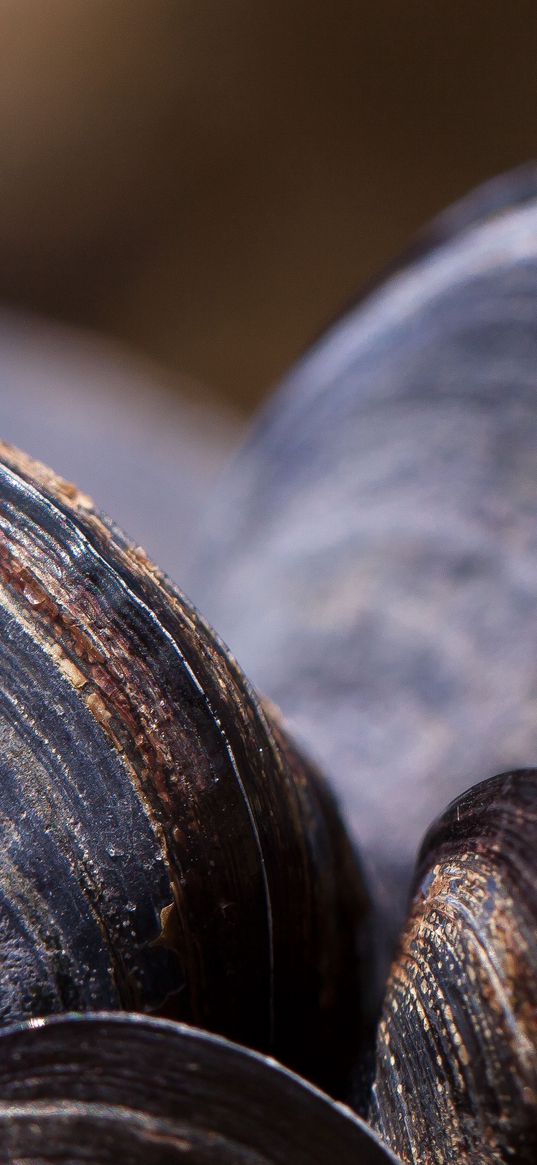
[
  {"x": 107, "y": 1088},
  {"x": 163, "y": 847},
  {"x": 382, "y": 516},
  {"x": 456, "y": 1076}
]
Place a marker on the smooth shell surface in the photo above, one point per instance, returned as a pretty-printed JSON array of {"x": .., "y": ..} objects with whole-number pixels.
[
  {"x": 163, "y": 847},
  {"x": 456, "y": 1077},
  {"x": 104, "y": 1089},
  {"x": 372, "y": 554}
]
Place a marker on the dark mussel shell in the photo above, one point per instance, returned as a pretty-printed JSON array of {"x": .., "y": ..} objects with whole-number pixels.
[
  {"x": 456, "y": 1076},
  {"x": 163, "y": 847},
  {"x": 382, "y": 516},
  {"x": 108, "y": 1089}
]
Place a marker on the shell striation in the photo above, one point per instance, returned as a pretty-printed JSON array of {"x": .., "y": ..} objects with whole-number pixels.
[
  {"x": 163, "y": 846},
  {"x": 456, "y": 1074},
  {"x": 101, "y": 1089}
]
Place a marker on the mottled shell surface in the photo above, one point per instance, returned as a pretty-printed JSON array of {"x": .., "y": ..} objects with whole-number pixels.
[
  {"x": 163, "y": 847},
  {"x": 109, "y": 1089},
  {"x": 382, "y": 518},
  {"x": 456, "y": 1076}
]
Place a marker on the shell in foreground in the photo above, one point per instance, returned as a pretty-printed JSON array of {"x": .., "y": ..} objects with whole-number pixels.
[
  {"x": 456, "y": 1076},
  {"x": 104, "y": 1089},
  {"x": 163, "y": 847}
]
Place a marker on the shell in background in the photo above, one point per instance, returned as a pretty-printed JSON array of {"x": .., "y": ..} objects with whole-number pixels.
[{"x": 372, "y": 554}]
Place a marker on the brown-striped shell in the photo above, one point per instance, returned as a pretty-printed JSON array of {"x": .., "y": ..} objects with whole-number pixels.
[
  {"x": 163, "y": 847},
  {"x": 456, "y": 1071}
]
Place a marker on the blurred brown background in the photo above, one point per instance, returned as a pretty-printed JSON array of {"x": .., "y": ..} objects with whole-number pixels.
[{"x": 212, "y": 180}]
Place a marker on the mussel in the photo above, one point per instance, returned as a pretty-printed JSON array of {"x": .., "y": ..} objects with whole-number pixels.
[
  {"x": 371, "y": 556},
  {"x": 163, "y": 846},
  {"x": 456, "y": 1069},
  {"x": 105, "y": 1088},
  {"x": 166, "y": 848}
]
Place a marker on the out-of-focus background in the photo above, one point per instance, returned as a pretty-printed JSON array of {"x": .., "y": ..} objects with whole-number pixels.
[
  {"x": 208, "y": 183},
  {"x": 211, "y": 180}
]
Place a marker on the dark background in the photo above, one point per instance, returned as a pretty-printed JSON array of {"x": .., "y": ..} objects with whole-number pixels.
[{"x": 212, "y": 180}]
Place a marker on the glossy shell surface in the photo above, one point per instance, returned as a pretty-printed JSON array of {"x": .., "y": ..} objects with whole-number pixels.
[
  {"x": 163, "y": 847},
  {"x": 456, "y": 1076},
  {"x": 104, "y": 1089}
]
